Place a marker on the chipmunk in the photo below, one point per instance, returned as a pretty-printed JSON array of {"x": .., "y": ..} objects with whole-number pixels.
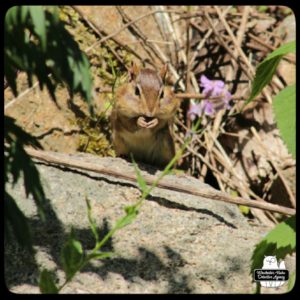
[{"x": 142, "y": 117}]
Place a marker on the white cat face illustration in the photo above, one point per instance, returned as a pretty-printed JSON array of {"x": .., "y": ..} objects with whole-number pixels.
[{"x": 270, "y": 262}]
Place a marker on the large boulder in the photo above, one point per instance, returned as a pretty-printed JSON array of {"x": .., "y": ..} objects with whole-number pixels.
[{"x": 178, "y": 243}]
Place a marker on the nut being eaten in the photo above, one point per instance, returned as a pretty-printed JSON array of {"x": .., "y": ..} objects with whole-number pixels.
[{"x": 142, "y": 122}]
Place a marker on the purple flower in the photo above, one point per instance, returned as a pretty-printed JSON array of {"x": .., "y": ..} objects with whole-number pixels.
[
  {"x": 194, "y": 110},
  {"x": 212, "y": 88},
  {"x": 226, "y": 98},
  {"x": 207, "y": 107}
]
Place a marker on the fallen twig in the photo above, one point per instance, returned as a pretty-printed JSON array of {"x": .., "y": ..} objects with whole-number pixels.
[
  {"x": 269, "y": 157},
  {"x": 53, "y": 158}
]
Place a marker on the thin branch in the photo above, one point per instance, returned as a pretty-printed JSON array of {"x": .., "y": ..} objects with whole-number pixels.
[
  {"x": 269, "y": 157},
  {"x": 109, "y": 36},
  {"x": 240, "y": 51},
  {"x": 207, "y": 35},
  {"x": 291, "y": 57},
  {"x": 101, "y": 32},
  {"x": 53, "y": 158}
]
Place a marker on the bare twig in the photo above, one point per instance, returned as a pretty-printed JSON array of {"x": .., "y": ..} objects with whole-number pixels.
[
  {"x": 148, "y": 47},
  {"x": 240, "y": 51},
  {"x": 290, "y": 57},
  {"x": 109, "y": 36},
  {"x": 53, "y": 158},
  {"x": 207, "y": 35},
  {"x": 15, "y": 100},
  {"x": 262, "y": 145}
]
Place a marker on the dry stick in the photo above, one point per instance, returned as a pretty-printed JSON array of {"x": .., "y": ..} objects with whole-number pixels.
[
  {"x": 99, "y": 31},
  {"x": 229, "y": 51},
  {"x": 140, "y": 35},
  {"x": 157, "y": 50},
  {"x": 237, "y": 184},
  {"x": 207, "y": 35},
  {"x": 171, "y": 30},
  {"x": 13, "y": 101},
  {"x": 202, "y": 96},
  {"x": 223, "y": 44},
  {"x": 218, "y": 177},
  {"x": 174, "y": 25},
  {"x": 53, "y": 158},
  {"x": 217, "y": 122},
  {"x": 149, "y": 41},
  {"x": 96, "y": 30},
  {"x": 257, "y": 137},
  {"x": 191, "y": 61},
  {"x": 291, "y": 58},
  {"x": 261, "y": 47},
  {"x": 239, "y": 50},
  {"x": 225, "y": 161},
  {"x": 188, "y": 75},
  {"x": 285, "y": 164},
  {"x": 210, "y": 144},
  {"x": 241, "y": 32},
  {"x": 218, "y": 119},
  {"x": 244, "y": 190},
  {"x": 184, "y": 57},
  {"x": 242, "y": 186},
  {"x": 134, "y": 21}
]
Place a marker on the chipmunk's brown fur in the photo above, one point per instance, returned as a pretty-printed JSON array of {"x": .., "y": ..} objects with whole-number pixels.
[{"x": 142, "y": 117}]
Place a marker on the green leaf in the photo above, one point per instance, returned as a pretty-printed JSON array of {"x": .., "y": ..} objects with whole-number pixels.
[
  {"x": 47, "y": 284},
  {"x": 101, "y": 255},
  {"x": 24, "y": 12},
  {"x": 284, "y": 105},
  {"x": 38, "y": 19},
  {"x": 132, "y": 212},
  {"x": 140, "y": 180},
  {"x": 279, "y": 242},
  {"x": 71, "y": 256},
  {"x": 266, "y": 69},
  {"x": 15, "y": 218},
  {"x": 264, "y": 73},
  {"x": 91, "y": 220},
  {"x": 282, "y": 50},
  {"x": 56, "y": 46},
  {"x": 11, "y": 17}
]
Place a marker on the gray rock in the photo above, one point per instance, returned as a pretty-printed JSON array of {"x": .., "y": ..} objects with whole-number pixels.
[{"x": 178, "y": 243}]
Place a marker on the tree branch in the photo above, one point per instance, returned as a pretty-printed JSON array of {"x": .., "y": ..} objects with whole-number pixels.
[{"x": 53, "y": 158}]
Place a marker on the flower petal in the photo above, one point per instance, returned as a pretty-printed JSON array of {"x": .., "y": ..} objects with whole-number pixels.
[
  {"x": 219, "y": 83},
  {"x": 194, "y": 110},
  {"x": 209, "y": 109},
  {"x": 204, "y": 81}
]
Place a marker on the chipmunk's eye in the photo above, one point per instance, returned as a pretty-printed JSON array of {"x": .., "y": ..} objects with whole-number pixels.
[{"x": 137, "y": 91}]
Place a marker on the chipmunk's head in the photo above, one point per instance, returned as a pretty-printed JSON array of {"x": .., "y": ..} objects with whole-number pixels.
[{"x": 146, "y": 97}]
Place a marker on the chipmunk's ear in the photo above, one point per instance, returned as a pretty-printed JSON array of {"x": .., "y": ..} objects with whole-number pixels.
[
  {"x": 163, "y": 72},
  {"x": 133, "y": 71}
]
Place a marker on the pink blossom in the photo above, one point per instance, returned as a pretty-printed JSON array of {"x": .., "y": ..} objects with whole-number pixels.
[
  {"x": 194, "y": 110},
  {"x": 212, "y": 88}
]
